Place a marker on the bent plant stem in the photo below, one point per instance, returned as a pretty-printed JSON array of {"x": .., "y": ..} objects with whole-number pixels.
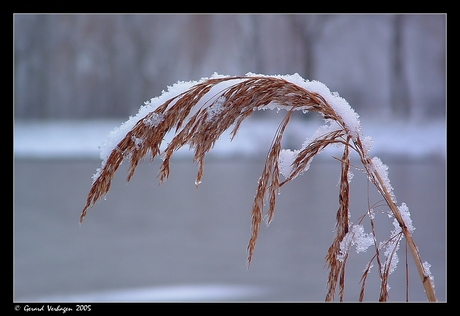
[
  {"x": 229, "y": 107},
  {"x": 379, "y": 183}
]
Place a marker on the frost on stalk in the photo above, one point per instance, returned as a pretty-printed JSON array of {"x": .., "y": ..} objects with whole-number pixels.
[
  {"x": 215, "y": 108},
  {"x": 382, "y": 170},
  {"x": 391, "y": 247},
  {"x": 97, "y": 174},
  {"x": 339, "y": 104},
  {"x": 137, "y": 141},
  {"x": 405, "y": 214},
  {"x": 350, "y": 176},
  {"x": 285, "y": 160},
  {"x": 426, "y": 267},
  {"x": 355, "y": 237},
  {"x": 154, "y": 120},
  {"x": 367, "y": 143}
]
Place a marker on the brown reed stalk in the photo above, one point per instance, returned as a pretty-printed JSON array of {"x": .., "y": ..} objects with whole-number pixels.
[
  {"x": 199, "y": 125},
  {"x": 337, "y": 267},
  {"x": 369, "y": 265}
]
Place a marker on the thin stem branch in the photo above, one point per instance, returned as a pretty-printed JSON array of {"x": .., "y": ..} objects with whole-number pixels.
[{"x": 410, "y": 241}]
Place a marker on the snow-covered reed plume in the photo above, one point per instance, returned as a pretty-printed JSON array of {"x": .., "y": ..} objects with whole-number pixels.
[{"x": 199, "y": 112}]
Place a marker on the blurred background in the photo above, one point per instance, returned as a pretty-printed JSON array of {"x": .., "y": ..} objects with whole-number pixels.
[
  {"x": 78, "y": 76},
  {"x": 98, "y": 66}
]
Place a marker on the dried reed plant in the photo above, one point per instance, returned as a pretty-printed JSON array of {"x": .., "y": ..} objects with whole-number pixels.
[{"x": 200, "y": 114}]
